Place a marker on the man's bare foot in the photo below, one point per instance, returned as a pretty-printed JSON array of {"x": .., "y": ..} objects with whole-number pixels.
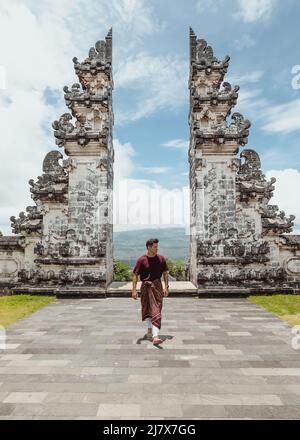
[
  {"x": 157, "y": 340},
  {"x": 149, "y": 334}
]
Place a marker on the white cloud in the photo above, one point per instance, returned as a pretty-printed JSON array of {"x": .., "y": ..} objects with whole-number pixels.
[
  {"x": 161, "y": 82},
  {"x": 177, "y": 143},
  {"x": 286, "y": 194},
  {"x": 30, "y": 54},
  {"x": 282, "y": 118},
  {"x": 155, "y": 170},
  {"x": 249, "y": 11},
  {"x": 145, "y": 203},
  {"x": 142, "y": 203},
  {"x": 123, "y": 161},
  {"x": 131, "y": 20},
  {"x": 251, "y": 77},
  {"x": 24, "y": 143},
  {"x": 253, "y": 10},
  {"x": 251, "y": 101},
  {"x": 212, "y": 5},
  {"x": 37, "y": 42},
  {"x": 33, "y": 62},
  {"x": 274, "y": 118},
  {"x": 244, "y": 42}
]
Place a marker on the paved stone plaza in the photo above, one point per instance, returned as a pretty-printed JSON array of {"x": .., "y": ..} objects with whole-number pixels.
[{"x": 89, "y": 359}]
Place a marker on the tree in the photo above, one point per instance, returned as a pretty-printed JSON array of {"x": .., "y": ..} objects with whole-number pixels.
[
  {"x": 122, "y": 271},
  {"x": 177, "y": 269}
]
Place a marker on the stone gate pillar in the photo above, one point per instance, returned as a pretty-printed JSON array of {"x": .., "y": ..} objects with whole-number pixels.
[
  {"x": 68, "y": 246},
  {"x": 236, "y": 242},
  {"x": 86, "y": 135}
]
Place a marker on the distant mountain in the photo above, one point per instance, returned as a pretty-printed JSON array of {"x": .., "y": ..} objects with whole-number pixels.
[{"x": 129, "y": 245}]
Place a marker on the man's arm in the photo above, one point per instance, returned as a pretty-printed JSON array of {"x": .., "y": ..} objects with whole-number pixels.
[
  {"x": 135, "y": 274},
  {"x": 166, "y": 281},
  {"x": 166, "y": 278},
  {"x": 134, "y": 283}
]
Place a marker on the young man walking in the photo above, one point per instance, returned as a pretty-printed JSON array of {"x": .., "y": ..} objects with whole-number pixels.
[{"x": 150, "y": 267}]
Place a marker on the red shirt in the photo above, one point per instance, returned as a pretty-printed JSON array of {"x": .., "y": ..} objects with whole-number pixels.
[{"x": 150, "y": 266}]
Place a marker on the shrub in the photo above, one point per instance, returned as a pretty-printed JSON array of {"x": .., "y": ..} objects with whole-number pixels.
[
  {"x": 177, "y": 269},
  {"x": 122, "y": 271}
]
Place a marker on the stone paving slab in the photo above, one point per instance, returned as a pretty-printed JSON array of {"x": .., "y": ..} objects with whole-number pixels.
[{"x": 222, "y": 358}]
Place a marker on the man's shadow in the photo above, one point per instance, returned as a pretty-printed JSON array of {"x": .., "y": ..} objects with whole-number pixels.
[{"x": 159, "y": 346}]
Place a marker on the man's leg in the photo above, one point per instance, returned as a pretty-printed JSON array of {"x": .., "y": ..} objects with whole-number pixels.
[
  {"x": 149, "y": 325},
  {"x": 156, "y": 338},
  {"x": 155, "y": 331}
]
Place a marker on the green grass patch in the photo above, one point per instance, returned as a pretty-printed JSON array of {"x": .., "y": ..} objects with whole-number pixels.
[
  {"x": 286, "y": 307},
  {"x": 15, "y": 307}
]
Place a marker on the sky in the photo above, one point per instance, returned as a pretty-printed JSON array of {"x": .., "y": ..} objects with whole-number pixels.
[{"x": 150, "y": 98}]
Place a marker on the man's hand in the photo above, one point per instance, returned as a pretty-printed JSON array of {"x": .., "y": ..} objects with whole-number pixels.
[
  {"x": 166, "y": 291},
  {"x": 134, "y": 294}
]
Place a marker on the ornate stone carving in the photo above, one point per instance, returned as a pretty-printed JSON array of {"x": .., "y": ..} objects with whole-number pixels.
[
  {"x": 231, "y": 244},
  {"x": 63, "y": 277},
  {"x": 279, "y": 224},
  {"x": 220, "y": 133},
  {"x": 69, "y": 231},
  {"x": 251, "y": 181},
  {"x": 202, "y": 56},
  {"x": 53, "y": 184},
  {"x": 244, "y": 277},
  {"x": 10, "y": 243},
  {"x": 253, "y": 185},
  {"x": 30, "y": 223},
  {"x": 293, "y": 265},
  {"x": 65, "y": 131}
]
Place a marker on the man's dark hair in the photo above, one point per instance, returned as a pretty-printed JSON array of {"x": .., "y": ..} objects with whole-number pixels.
[{"x": 151, "y": 241}]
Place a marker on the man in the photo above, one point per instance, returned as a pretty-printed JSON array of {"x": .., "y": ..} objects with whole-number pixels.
[{"x": 151, "y": 266}]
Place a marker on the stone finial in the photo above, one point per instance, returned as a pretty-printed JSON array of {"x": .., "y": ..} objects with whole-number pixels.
[
  {"x": 100, "y": 54},
  {"x": 53, "y": 184},
  {"x": 27, "y": 223},
  {"x": 51, "y": 163},
  {"x": 202, "y": 54}
]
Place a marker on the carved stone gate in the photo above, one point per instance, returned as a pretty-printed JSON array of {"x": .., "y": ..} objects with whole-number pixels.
[
  {"x": 64, "y": 242},
  {"x": 238, "y": 243}
]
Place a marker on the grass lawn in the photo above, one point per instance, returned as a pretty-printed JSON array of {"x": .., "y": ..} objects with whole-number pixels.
[
  {"x": 286, "y": 307},
  {"x": 15, "y": 307}
]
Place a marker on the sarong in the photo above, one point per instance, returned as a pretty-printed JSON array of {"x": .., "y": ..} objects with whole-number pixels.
[{"x": 152, "y": 300}]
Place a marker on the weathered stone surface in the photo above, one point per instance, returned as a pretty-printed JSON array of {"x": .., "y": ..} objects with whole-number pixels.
[
  {"x": 237, "y": 243},
  {"x": 67, "y": 236},
  {"x": 238, "y": 240},
  {"x": 220, "y": 358}
]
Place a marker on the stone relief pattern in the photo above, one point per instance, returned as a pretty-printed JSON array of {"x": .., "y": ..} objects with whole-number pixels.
[
  {"x": 90, "y": 100},
  {"x": 70, "y": 220},
  {"x": 232, "y": 245}
]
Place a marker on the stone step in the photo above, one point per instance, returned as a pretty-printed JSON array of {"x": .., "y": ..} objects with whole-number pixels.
[
  {"x": 239, "y": 292},
  {"x": 176, "y": 288},
  {"x": 81, "y": 292},
  {"x": 115, "y": 289},
  {"x": 62, "y": 292}
]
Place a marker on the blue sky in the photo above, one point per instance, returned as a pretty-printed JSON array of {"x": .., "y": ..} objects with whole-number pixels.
[{"x": 151, "y": 98}]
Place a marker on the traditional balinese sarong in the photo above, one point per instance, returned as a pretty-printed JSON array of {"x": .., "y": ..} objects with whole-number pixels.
[{"x": 152, "y": 300}]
